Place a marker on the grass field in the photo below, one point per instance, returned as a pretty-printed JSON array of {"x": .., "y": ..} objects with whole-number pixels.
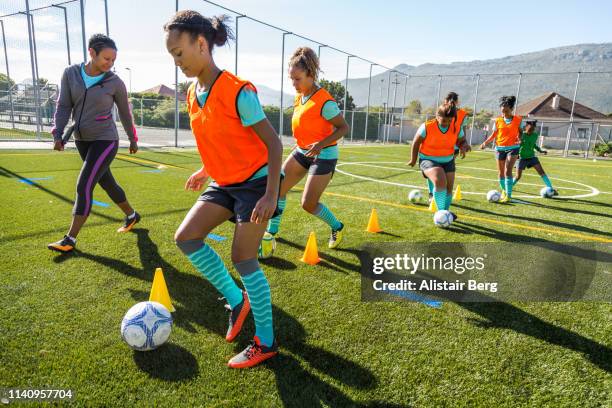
[{"x": 61, "y": 314}]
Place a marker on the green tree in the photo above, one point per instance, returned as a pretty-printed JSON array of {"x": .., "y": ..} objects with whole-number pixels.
[
  {"x": 414, "y": 108},
  {"x": 183, "y": 87},
  {"x": 336, "y": 89},
  {"x": 5, "y": 82}
]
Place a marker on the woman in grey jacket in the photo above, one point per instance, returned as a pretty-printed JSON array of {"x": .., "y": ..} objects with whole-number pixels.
[{"x": 88, "y": 93}]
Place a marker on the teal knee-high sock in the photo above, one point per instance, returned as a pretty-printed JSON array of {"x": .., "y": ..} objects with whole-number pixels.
[
  {"x": 208, "y": 262},
  {"x": 448, "y": 200},
  {"x": 509, "y": 185},
  {"x": 440, "y": 199},
  {"x": 430, "y": 186},
  {"x": 327, "y": 216},
  {"x": 274, "y": 222},
  {"x": 546, "y": 181},
  {"x": 502, "y": 183},
  {"x": 258, "y": 290}
]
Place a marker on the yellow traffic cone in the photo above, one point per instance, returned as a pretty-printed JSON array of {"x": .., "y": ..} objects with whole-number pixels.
[
  {"x": 373, "y": 225},
  {"x": 432, "y": 206},
  {"x": 311, "y": 253},
  {"x": 457, "y": 195},
  {"x": 159, "y": 291}
]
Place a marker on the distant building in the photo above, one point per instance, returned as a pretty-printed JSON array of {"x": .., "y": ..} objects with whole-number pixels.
[
  {"x": 163, "y": 90},
  {"x": 553, "y": 113}
]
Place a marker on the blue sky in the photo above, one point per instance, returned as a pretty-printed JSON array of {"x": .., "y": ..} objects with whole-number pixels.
[{"x": 389, "y": 32}]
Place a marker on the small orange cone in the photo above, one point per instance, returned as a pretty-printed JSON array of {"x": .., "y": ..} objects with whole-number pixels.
[
  {"x": 432, "y": 206},
  {"x": 311, "y": 253},
  {"x": 159, "y": 291},
  {"x": 373, "y": 225},
  {"x": 457, "y": 195}
]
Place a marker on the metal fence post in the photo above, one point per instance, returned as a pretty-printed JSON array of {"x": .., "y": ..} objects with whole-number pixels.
[
  {"x": 395, "y": 84},
  {"x": 403, "y": 109},
  {"x": 141, "y": 113},
  {"x": 281, "y": 116},
  {"x": 106, "y": 16},
  {"x": 474, "y": 109},
  {"x": 365, "y": 137},
  {"x": 8, "y": 75},
  {"x": 571, "y": 125},
  {"x": 385, "y": 118},
  {"x": 33, "y": 67},
  {"x": 176, "y": 108},
  {"x": 345, "y": 102},
  {"x": 236, "y": 45},
  {"x": 518, "y": 93},
  {"x": 66, "y": 27},
  {"x": 352, "y": 122},
  {"x": 83, "y": 35}
]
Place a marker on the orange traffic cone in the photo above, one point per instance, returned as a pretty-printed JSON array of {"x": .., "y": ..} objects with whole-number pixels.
[
  {"x": 373, "y": 225},
  {"x": 159, "y": 291},
  {"x": 457, "y": 195},
  {"x": 432, "y": 206},
  {"x": 311, "y": 253}
]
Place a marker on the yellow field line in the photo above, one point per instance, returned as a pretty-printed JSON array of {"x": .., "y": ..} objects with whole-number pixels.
[{"x": 472, "y": 217}]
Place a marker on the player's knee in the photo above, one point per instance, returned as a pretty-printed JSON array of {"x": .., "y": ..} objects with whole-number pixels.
[{"x": 309, "y": 205}]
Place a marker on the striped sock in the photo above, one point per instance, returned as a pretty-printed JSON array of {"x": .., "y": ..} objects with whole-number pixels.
[
  {"x": 547, "y": 181},
  {"x": 258, "y": 290},
  {"x": 323, "y": 213},
  {"x": 502, "y": 183},
  {"x": 208, "y": 262},
  {"x": 274, "y": 222},
  {"x": 509, "y": 185},
  {"x": 430, "y": 186},
  {"x": 440, "y": 199}
]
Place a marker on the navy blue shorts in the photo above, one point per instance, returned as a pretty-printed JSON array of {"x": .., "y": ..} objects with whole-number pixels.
[
  {"x": 503, "y": 154},
  {"x": 523, "y": 164},
  {"x": 314, "y": 165},
  {"x": 426, "y": 164},
  {"x": 239, "y": 198}
]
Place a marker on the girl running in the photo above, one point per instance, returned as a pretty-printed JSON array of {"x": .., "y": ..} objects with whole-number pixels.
[
  {"x": 458, "y": 120},
  {"x": 527, "y": 157},
  {"x": 506, "y": 133},
  {"x": 88, "y": 93},
  {"x": 317, "y": 126},
  {"x": 242, "y": 153},
  {"x": 434, "y": 145}
]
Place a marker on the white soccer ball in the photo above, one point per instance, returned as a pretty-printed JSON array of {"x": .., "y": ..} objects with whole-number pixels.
[
  {"x": 415, "y": 196},
  {"x": 267, "y": 246},
  {"x": 546, "y": 192},
  {"x": 493, "y": 196},
  {"x": 146, "y": 326},
  {"x": 443, "y": 218}
]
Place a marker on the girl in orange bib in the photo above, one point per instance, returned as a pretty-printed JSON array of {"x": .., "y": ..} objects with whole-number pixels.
[
  {"x": 507, "y": 136},
  {"x": 242, "y": 153},
  {"x": 458, "y": 121},
  {"x": 317, "y": 126},
  {"x": 434, "y": 147}
]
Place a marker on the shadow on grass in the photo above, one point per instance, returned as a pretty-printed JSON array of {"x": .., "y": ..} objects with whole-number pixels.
[
  {"x": 170, "y": 362},
  {"x": 196, "y": 304},
  {"x": 501, "y": 315},
  {"x": 327, "y": 261},
  {"x": 559, "y": 224}
]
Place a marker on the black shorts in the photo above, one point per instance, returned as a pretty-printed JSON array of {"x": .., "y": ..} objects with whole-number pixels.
[
  {"x": 523, "y": 164},
  {"x": 426, "y": 164},
  {"x": 239, "y": 198},
  {"x": 314, "y": 165},
  {"x": 503, "y": 154}
]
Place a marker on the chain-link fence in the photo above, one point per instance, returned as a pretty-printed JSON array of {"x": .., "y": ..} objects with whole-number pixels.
[{"x": 40, "y": 38}]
